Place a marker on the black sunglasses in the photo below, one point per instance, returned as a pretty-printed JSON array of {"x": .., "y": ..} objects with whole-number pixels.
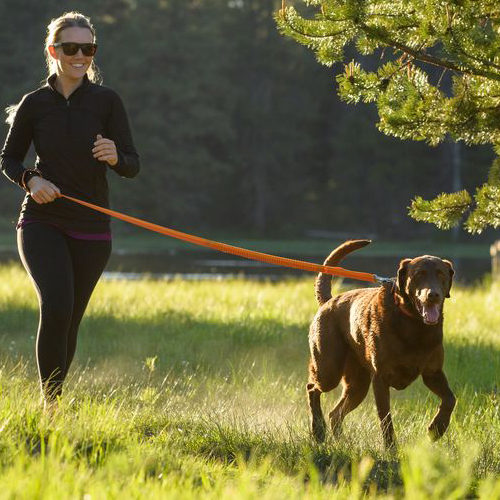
[{"x": 71, "y": 48}]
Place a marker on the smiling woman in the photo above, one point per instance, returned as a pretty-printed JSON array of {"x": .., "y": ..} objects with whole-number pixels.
[
  {"x": 61, "y": 32},
  {"x": 79, "y": 128}
]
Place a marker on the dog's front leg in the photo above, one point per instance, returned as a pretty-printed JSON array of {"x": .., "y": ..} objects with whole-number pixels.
[
  {"x": 436, "y": 381},
  {"x": 382, "y": 400}
]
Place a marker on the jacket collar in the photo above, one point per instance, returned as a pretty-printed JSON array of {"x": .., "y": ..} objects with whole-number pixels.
[{"x": 51, "y": 82}]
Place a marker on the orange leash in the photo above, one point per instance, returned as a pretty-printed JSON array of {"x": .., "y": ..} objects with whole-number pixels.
[{"x": 241, "y": 252}]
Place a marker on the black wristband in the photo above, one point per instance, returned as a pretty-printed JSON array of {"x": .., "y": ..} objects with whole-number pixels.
[{"x": 27, "y": 175}]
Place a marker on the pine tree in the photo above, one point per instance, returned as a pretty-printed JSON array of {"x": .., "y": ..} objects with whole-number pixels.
[{"x": 437, "y": 76}]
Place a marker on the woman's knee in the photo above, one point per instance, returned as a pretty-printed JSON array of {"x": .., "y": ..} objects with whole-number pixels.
[{"x": 56, "y": 314}]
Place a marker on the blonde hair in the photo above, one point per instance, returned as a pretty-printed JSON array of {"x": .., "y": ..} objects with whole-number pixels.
[{"x": 54, "y": 29}]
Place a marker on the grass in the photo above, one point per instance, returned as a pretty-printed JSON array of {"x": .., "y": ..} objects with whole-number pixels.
[{"x": 197, "y": 390}]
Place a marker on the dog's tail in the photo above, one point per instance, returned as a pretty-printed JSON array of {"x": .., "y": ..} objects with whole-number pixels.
[{"x": 323, "y": 288}]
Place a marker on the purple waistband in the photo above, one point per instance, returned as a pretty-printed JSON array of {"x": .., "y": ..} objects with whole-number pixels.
[{"x": 68, "y": 232}]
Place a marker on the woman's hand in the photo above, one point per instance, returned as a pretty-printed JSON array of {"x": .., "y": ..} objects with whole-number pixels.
[
  {"x": 42, "y": 190},
  {"x": 105, "y": 150}
]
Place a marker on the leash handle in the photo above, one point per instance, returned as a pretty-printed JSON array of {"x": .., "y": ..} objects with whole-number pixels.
[{"x": 223, "y": 247}]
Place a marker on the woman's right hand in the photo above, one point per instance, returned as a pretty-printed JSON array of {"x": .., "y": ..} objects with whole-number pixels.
[{"x": 42, "y": 190}]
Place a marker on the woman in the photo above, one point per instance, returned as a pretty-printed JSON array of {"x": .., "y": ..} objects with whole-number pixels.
[{"x": 80, "y": 130}]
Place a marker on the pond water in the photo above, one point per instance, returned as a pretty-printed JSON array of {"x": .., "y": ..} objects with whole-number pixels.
[{"x": 202, "y": 265}]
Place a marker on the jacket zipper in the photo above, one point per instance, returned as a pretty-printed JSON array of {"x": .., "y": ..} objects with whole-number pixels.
[{"x": 68, "y": 122}]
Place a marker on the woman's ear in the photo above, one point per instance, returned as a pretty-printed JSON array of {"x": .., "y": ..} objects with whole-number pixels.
[
  {"x": 402, "y": 275},
  {"x": 52, "y": 51}
]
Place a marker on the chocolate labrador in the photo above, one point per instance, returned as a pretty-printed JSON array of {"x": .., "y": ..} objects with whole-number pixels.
[{"x": 387, "y": 335}]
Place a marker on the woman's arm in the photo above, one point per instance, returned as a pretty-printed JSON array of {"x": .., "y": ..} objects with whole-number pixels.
[
  {"x": 118, "y": 130},
  {"x": 16, "y": 146},
  {"x": 17, "y": 143}
]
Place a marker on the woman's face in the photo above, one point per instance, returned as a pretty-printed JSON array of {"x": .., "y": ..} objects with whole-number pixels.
[{"x": 72, "y": 67}]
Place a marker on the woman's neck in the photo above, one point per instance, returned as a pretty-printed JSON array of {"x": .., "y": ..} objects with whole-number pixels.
[{"x": 66, "y": 86}]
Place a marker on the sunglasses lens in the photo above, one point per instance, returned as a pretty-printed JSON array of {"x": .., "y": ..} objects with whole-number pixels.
[
  {"x": 89, "y": 49},
  {"x": 69, "y": 48}
]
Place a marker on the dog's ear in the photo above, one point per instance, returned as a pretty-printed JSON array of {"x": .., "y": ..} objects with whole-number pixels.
[
  {"x": 402, "y": 275},
  {"x": 452, "y": 272}
]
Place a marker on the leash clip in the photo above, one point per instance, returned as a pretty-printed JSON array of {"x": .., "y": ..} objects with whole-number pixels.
[{"x": 384, "y": 281}]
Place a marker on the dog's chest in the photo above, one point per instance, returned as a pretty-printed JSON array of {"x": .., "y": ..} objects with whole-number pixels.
[
  {"x": 398, "y": 361},
  {"x": 400, "y": 376},
  {"x": 400, "y": 367}
]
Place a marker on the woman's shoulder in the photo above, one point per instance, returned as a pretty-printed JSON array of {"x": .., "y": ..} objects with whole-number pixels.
[
  {"x": 104, "y": 97},
  {"x": 27, "y": 100},
  {"x": 25, "y": 106},
  {"x": 104, "y": 90},
  {"x": 33, "y": 95}
]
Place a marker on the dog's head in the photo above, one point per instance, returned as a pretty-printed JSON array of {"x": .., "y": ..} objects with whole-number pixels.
[{"x": 424, "y": 282}]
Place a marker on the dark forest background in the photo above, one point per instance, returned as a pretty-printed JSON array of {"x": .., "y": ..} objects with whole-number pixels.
[{"x": 239, "y": 129}]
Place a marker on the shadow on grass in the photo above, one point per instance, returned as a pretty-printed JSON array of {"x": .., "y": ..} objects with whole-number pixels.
[
  {"x": 39, "y": 440},
  {"x": 93, "y": 452},
  {"x": 182, "y": 339},
  {"x": 177, "y": 339},
  {"x": 337, "y": 466},
  {"x": 292, "y": 456}
]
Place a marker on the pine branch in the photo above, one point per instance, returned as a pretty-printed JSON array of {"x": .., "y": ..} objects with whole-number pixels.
[
  {"x": 283, "y": 14},
  {"x": 487, "y": 212},
  {"x": 424, "y": 57},
  {"x": 470, "y": 56},
  {"x": 445, "y": 211},
  {"x": 377, "y": 34},
  {"x": 494, "y": 174}
]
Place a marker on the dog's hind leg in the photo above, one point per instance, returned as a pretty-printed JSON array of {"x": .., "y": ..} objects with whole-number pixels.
[
  {"x": 355, "y": 384},
  {"x": 317, "y": 421},
  {"x": 324, "y": 375},
  {"x": 328, "y": 354}
]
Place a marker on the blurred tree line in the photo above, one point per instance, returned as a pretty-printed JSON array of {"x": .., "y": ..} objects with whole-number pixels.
[{"x": 238, "y": 128}]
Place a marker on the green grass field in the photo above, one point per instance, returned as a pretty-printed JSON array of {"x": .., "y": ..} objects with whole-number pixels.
[{"x": 197, "y": 390}]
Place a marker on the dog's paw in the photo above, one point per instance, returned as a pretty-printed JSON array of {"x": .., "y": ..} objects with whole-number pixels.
[{"x": 437, "y": 428}]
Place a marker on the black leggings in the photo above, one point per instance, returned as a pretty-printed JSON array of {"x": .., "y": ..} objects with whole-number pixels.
[{"x": 65, "y": 271}]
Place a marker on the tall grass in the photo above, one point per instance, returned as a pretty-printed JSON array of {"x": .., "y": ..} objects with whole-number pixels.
[{"x": 197, "y": 390}]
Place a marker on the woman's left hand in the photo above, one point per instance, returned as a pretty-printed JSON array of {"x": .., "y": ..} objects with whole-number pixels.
[{"x": 105, "y": 150}]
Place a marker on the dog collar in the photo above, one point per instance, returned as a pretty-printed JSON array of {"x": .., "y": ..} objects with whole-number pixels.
[{"x": 401, "y": 306}]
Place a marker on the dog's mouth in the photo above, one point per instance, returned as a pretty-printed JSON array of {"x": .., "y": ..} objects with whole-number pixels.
[{"x": 430, "y": 312}]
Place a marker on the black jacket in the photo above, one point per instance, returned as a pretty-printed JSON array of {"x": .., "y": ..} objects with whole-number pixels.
[{"x": 63, "y": 132}]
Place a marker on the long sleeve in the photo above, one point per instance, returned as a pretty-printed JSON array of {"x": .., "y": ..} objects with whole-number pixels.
[
  {"x": 119, "y": 131},
  {"x": 17, "y": 142}
]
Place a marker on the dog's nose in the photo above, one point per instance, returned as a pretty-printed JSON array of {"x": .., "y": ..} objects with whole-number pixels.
[{"x": 433, "y": 296}]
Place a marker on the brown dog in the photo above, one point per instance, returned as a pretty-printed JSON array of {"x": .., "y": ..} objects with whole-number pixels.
[{"x": 389, "y": 335}]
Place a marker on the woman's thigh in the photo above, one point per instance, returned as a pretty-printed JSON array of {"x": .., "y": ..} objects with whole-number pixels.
[
  {"x": 45, "y": 255},
  {"x": 89, "y": 258}
]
